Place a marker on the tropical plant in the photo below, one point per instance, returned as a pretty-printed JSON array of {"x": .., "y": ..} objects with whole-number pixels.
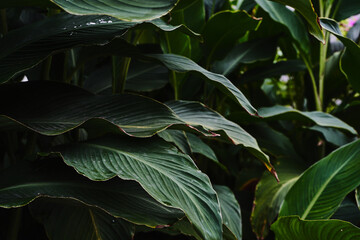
[{"x": 189, "y": 119}]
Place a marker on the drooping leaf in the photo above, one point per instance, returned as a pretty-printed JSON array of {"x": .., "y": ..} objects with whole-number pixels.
[
  {"x": 293, "y": 227},
  {"x": 269, "y": 196},
  {"x": 350, "y": 59},
  {"x": 68, "y": 219},
  {"x": 181, "y": 64},
  {"x": 67, "y": 107},
  {"x": 25, "y": 47},
  {"x": 223, "y": 30},
  {"x": 289, "y": 19},
  {"x": 128, "y": 10},
  {"x": 322, "y": 119},
  {"x": 198, "y": 146},
  {"x": 230, "y": 211},
  {"x": 197, "y": 115},
  {"x": 177, "y": 137},
  {"x": 166, "y": 174},
  {"x": 346, "y": 9},
  {"x": 306, "y": 9},
  {"x": 247, "y": 52},
  {"x": 333, "y": 135},
  {"x": 21, "y": 185},
  {"x": 331, "y": 178}
]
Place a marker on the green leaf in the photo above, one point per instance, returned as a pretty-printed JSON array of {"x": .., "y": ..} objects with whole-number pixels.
[
  {"x": 306, "y": 9},
  {"x": 357, "y": 196},
  {"x": 68, "y": 219},
  {"x": 333, "y": 136},
  {"x": 350, "y": 59},
  {"x": 269, "y": 196},
  {"x": 230, "y": 211},
  {"x": 177, "y": 137},
  {"x": 198, "y": 146},
  {"x": 289, "y": 19},
  {"x": 181, "y": 64},
  {"x": 25, "y": 47},
  {"x": 24, "y": 183},
  {"x": 67, "y": 107},
  {"x": 322, "y": 119},
  {"x": 223, "y": 30},
  {"x": 197, "y": 115},
  {"x": 346, "y": 9},
  {"x": 166, "y": 174},
  {"x": 247, "y": 52},
  {"x": 331, "y": 178},
  {"x": 128, "y": 10},
  {"x": 293, "y": 227}
]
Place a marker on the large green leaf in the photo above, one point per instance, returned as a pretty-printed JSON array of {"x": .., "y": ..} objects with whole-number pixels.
[
  {"x": 181, "y": 64},
  {"x": 25, "y": 47},
  {"x": 197, "y": 115},
  {"x": 306, "y": 9},
  {"x": 350, "y": 59},
  {"x": 269, "y": 196},
  {"x": 230, "y": 211},
  {"x": 22, "y": 184},
  {"x": 52, "y": 108},
  {"x": 346, "y": 9},
  {"x": 248, "y": 52},
  {"x": 322, "y": 187},
  {"x": 279, "y": 112},
  {"x": 333, "y": 135},
  {"x": 68, "y": 219},
  {"x": 223, "y": 30},
  {"x": 123, "y": 9},
  {"x": 166, "y": 174},
  {"x": 293, "y": 227},
  {"x": 289, "y": 19}
]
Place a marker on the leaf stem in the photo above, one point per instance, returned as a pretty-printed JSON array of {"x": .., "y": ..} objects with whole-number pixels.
[
  {"x": 322, "y": 65},
  {"x": 4, "y": 26},
  {"x": 173, "y": 77},
  {"x": 120, "y": 68},
  {"x": 15, "y": 224},
  {"x": 47, "y": 68}
]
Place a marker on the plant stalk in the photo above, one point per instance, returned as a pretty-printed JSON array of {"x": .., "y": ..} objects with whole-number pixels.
[
  {"x": 173, "y": 77},
  {"x": 4, "y": 26},
  {"x": 120, "y": 68},
  {"x": 15, "y": 224}
]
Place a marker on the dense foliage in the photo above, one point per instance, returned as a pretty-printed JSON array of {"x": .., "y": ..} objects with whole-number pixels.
[{"x": 190, "y": 119}]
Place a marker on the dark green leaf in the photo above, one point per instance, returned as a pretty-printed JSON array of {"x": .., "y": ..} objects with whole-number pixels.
[
  {"x": 322, "y": 119},
  {"x": 166, "y": 174},
  {"x": 197, "y": 115},
  {"x": 198, "y": 146},
  {"x": 348, "y": 211},
  {"x": 223, "y": 30},
  {"x": 331, "y": 178},
  {"x": 333, "y": 136},
  {"x": 289, "y": 19},
  {"x": 26, "y": 3},
  {"x": 177, "y": 137},
  {"x": 294, "y": 228},
  {"x": 269, "y": 196},
  {"x": 68, "y": 219},
  {"x": 248, "y": 52},
  {"x": 20, "y": 185},
  {"x": 230, "y": 211},
  {"x": 350, "y": 60},
  {"x": 306, "y": 9},
  {"x": 346, "y": 9},
  {"x": 181, "y": 64},
  {"x": 123, "y": 9}
]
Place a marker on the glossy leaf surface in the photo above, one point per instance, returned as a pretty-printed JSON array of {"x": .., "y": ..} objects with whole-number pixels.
[
  {"x": 123, "y": 9},
  {"x": 332, "y": 178},
  {"x": 294, "y": 228},
  {"x": 124, "y": 199},
  {"x": 166, "y": 174}
]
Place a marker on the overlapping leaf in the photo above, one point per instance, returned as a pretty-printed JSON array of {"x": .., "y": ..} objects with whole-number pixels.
[
  {"x": 25, "y": 47},
  {"x": 66, "y": 219},
  {"x": 125, "y": 199},
  {"x": 196, "y": 115},
  {"x": 230, "y": 211},
  {"x": 293, "y": 227},
  {"x": 350, "y": 59},
  {"x": 319, "y": 118},
  {"x": 306, "y": 9},
  {"x": 331, "y": 178},
  {"x": 168, "y": 175},
  {"x": 128, "y": 10}
]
